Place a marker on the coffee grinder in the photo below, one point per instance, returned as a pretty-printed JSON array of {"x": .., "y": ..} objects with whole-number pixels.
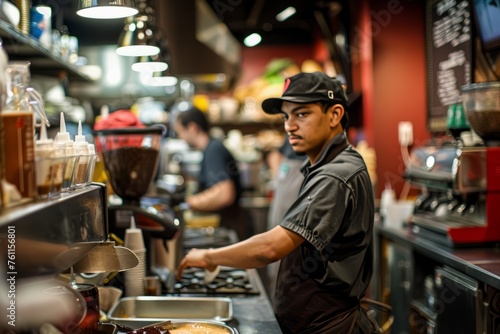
[{"x": 130, "y": 157}]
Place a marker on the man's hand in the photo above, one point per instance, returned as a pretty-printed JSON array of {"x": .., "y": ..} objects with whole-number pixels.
[{"x": 195, "y": 258}]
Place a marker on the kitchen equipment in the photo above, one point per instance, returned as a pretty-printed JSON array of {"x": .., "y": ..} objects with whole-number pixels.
[
  {"x": 51, "y": 236},
  {"x": 130, "y": 157},
  {"x": 208, "y": 237},
  {"x": 106, "y": 257},
  {"x": 142, "y": 311},
  {"x": 459, "y": 303},
  {"x": 229, "y": 281},
  {"x": 481, "y": 103},
  {"x": 461, "y": 187}
]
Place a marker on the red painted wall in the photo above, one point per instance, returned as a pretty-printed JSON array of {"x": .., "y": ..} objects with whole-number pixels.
[{"x": 399, "y": 83}]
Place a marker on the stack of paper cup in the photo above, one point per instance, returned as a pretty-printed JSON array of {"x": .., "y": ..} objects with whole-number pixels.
[{"x": 134, "y": 278}]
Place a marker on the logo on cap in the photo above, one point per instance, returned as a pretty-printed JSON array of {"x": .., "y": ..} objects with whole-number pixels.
[
  {"x": 330, "y": 94},
  {"x": 287, "y": 83}
]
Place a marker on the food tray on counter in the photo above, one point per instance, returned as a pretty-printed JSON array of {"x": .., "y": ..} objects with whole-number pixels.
[
  {"x": 181, "y": 327},
  {"x": 141, "y": 311}
]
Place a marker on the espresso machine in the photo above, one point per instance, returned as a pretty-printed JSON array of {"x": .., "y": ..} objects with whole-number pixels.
[
  {"x": 130, "y": 157},
  {"x": 460, "y": 195}
]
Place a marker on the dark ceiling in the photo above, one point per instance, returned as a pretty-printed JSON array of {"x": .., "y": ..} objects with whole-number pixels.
[{"x": 242, "y": 18}]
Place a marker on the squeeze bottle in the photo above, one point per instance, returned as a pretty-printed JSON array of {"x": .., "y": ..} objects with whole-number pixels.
[
  {"x": 82, "y": 151},
  {"x": 47, "y": 171},
  {"x": 65, "y": 149}
]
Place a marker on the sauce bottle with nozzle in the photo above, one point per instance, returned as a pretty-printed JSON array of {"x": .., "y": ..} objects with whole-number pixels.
[
  {"x": 82, "y": 151},
  {"x": 66, "y": 150},
  {"x": 48, "y": 173}
]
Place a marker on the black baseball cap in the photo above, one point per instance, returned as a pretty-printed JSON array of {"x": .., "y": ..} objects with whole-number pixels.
[{"x": 308, "y": 88}]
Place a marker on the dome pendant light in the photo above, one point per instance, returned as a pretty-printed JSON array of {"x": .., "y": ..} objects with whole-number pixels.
[
  {"x": 137, "y": 39},
  {"x": 106, "y": 9},
  {"x": 149, "y": 66}
]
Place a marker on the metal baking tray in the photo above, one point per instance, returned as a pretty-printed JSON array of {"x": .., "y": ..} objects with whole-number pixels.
[{"x": 137, "y": 312}]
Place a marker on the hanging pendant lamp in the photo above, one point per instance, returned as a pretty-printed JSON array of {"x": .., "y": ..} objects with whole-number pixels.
[
  {"x": 137, "y": 39},
  {"x": 106, "y": 9},
  {"x": 147, "y": 64},
  {"x": 156, "y": 63}
]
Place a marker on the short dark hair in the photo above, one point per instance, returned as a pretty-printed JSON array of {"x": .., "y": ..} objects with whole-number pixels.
[
  {"x": 345, "y": 119},
  {"x": 193, "y": 115}
]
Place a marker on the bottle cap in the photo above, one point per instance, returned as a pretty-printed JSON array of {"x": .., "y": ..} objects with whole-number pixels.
[
  {"x": 80, "y": 137},
  {"x": 62, "y": 136},
  {"x": 43, "y": 136},
  {"x": 81, "y": 145}
]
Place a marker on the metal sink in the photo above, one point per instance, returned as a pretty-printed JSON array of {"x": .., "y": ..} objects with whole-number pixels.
[{"x": 137, "y": 312}]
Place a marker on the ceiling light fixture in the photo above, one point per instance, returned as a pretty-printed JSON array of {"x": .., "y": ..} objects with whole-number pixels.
[
  {"x": 163, "y": 81},
  {"x": 111, "y": 9},
  {"x": 149, "y": 66},
  {"x": 155, "y": 63},
  {"x": 137, "y": 39},
  {"x": 285, "y": 14},
  {"x": 252, "y": 40}
]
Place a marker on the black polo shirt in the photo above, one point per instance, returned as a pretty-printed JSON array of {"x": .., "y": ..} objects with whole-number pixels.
[{"x": 325, "y": 277}]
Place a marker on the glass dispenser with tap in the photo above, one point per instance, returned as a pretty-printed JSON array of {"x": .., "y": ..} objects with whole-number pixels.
[{"x": 19, "y": 129}]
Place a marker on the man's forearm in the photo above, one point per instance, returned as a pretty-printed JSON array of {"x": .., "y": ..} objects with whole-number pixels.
[
  {"x": 214, "y": 198},
  {"x": 250, "y": 253}
]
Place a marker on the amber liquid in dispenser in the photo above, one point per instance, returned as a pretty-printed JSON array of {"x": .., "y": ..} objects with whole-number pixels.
[{"x": 19, "y": 153}]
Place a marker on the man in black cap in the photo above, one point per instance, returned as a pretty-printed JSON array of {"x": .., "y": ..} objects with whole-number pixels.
[{"x": 324, "y": 241}]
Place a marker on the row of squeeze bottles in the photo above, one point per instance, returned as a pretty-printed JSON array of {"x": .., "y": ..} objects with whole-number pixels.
[{"x": 31, "y": 169}]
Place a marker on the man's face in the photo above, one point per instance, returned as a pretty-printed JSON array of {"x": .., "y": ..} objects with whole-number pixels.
[
  {"x": 183, "y": 133},
  {"x": 309, "y": 127}
]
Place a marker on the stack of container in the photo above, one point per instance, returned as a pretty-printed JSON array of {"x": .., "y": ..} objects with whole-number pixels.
[{"x": 134, "y": 278}]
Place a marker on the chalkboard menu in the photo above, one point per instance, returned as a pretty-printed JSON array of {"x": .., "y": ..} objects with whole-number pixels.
[{"x": 449, "y": 41}]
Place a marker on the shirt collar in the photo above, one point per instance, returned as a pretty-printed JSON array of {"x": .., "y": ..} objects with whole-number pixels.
[{"x": 324, "y": 158}]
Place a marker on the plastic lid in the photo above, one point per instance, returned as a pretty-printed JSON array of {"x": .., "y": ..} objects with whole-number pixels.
[{"x": 62, "y": 136}]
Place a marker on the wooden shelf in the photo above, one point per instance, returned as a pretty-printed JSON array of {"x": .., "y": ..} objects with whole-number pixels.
[{"x": 24, "y": 47}]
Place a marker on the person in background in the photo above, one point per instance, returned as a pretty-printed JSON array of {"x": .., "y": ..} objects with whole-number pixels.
[
  {"x": 285, "y": 165},
  {"x": 219, "y": 187},
  {"x": 324, "y": 241}
]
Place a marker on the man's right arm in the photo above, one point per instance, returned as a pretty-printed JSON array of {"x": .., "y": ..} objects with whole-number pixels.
[{"x": 255, "y": 252}]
